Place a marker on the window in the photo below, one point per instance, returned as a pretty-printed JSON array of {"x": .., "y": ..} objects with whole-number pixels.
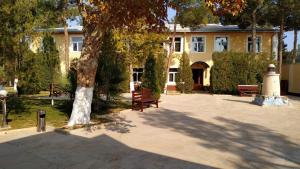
[
  {"x": 137, "y": 74},
  {"x": 221, "y": 44},
  {"x": 172, "y": 74},
  {"x": 177, "y": 44},
  {"x": 77, "y": 43},
  {"x": 258, "y": 44},
  {"x": 198, "y": 44}
]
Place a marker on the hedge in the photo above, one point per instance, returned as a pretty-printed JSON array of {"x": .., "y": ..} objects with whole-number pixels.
[{"x": 233, "y": 68}]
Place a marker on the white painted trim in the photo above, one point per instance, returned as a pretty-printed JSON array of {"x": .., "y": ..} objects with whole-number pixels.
[
  {"x": 191, "y": 43},
  {"x": 71, "y": 43},
  {"x": 261, "y": 42},
  {"x": 228, "y": 43},
  {"x": 181, "y": 44}
]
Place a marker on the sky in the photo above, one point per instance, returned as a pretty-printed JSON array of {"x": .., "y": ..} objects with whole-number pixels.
[{"x": 288, "y": 40}]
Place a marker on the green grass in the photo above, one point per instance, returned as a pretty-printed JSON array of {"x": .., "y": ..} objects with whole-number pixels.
[{"x": 22, "y": 111}]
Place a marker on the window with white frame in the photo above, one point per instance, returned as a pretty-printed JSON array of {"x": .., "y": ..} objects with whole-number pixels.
[
  {"x": 77, "y": 43},
  {"x": 221, "y": 43},
  {"x": 137, "y": 74},
  {"x": 198, "y": 44},
  {"x": 258, "y": 44},
  {"x": 172, "y": 74},
  {"x": 177, "y": 44}
]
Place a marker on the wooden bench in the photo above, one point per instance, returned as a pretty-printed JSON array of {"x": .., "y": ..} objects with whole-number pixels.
[
  {"x": 247, "y": 90},
  {"x": 55, "y": 90},
  {"x": 143, "y": 98}
]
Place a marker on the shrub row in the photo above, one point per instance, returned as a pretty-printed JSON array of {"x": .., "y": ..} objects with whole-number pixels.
[{"x": 232, "y": 68}]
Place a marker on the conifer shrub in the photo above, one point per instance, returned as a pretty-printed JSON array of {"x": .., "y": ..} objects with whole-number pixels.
[
  {"x": 184, "y": 78},
  {"x": 232, "y": 68},
  {"x": 150, "y": 77},
  {"x": 32, "y": 74},
  {"x": 161, "y": 70},
  {"x": 111, "y": 71}
]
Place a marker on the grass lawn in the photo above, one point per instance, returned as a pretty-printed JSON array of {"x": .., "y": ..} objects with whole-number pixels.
[{"x": 22, "y": 111}]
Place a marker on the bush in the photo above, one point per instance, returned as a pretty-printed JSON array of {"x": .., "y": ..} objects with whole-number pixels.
[
  {"x": 184, "y": 78},
  {"x": 2, "y": 75},
  {"x": 232, "y": 68},
  {"x": 32, "y": 74},
  {"x": 150, "y": 79},
  {"x": 161, "y": 70},
  {"x": 72, "y": 78},
  {"x": 111, "y": 72}
]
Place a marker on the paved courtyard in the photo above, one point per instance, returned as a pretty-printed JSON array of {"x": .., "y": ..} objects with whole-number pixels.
[{"x": 187, "y": 132}]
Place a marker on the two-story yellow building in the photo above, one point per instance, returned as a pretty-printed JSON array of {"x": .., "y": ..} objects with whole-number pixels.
[{"x": 198, "y": 43}]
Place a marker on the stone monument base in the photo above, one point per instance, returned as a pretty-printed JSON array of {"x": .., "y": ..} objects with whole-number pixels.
[{"x": 271, "y": 100}]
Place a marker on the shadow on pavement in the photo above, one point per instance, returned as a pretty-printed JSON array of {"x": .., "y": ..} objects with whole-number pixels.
[
  {"x": 256, "y": 146},
  {"x": 55, "y": 150}
]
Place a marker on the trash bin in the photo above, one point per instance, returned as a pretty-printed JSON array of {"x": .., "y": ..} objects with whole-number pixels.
[{"x": 41, "y": 120}]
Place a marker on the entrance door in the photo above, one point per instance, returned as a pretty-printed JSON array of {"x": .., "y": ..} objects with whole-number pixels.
[{"x": 198, "y": 78}]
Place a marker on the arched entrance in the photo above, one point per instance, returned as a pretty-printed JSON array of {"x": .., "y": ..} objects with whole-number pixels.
[{"x": 198, "y": 69}]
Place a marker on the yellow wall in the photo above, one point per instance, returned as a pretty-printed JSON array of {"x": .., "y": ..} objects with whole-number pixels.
[
  {"x": 237, "y": 43},
  {"x": 284, "y": 72},
  {"x": 59, "y": 39},
  {"x": 294, "y": 78}
]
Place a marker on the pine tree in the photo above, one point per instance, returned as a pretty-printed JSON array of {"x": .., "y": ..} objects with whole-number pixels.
[
  {"x": 50, "y": 58},
  {"x": 150, "y": 79},
  {"x": 111, "y": 70},
  {"x": 184, "y": 78},
  {"x": 161, "y": 70}
]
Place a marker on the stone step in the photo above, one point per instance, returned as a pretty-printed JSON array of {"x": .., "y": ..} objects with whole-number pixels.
[{"x": 173, "y": 93}]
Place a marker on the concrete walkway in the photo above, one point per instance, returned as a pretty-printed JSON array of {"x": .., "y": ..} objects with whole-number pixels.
[{"x": 187, "y": 132}]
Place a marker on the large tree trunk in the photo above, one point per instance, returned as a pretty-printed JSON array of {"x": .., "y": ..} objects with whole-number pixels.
[
  {"x": 170, "y": 57},
  {"x": 66, "y": 44},
  {"x": 87, "y": 68},
  {"x": 295, "y": 45},
  {"x": 253, "y": 32},
  {"x": 280, "y": 44}
]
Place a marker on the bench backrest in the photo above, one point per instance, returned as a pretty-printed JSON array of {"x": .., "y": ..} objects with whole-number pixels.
[
  {"x": 143, "y": 94},
  {"x": 136, "y": 95},
  {"x": 247, "y": 87},
  {"x": 146, "y": 93}
]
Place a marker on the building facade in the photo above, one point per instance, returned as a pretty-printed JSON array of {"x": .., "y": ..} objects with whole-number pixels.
[
  {"x": 198, "y": 43},
  {"x": 201, "y": 43}
]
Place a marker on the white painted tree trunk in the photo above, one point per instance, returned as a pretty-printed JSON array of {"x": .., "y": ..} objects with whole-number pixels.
[{"x": 81, "y": 106}]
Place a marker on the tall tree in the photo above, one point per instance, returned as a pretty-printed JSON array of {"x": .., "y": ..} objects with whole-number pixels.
[
  {"x": 150, "y": 78},
  {"x": 184, "y": 79},
  {"x": 111, "y": 71},
  {"x": 293, "y": 23},
  {"x": 98, "y": 17},
  {"x": 277, "y": 13},
  {"x": 67, "y": 10},
  {"x": 50, "y": 56},
  {"x": 252, "y": 16}
]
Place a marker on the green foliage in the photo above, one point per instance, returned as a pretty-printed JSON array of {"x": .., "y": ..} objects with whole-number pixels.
[
  {"x": 161, "y": 67},
  {"x": 50, "y": 59},
  {"x": 184, "y": 78},
  {"x": 72, "y": 78},
  {"x": 231, "y": 69},
  {"x": 2, "y": 75},
  {"x": 150, "y": 77},
  {"x": 111, "y": 70},
  {"x": 32, "y": 74}
]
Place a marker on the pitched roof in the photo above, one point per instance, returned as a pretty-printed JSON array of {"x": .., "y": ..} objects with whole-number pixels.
[
  {"x": 217, "y": 28},
  {"x": 179, "y": 28}
]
